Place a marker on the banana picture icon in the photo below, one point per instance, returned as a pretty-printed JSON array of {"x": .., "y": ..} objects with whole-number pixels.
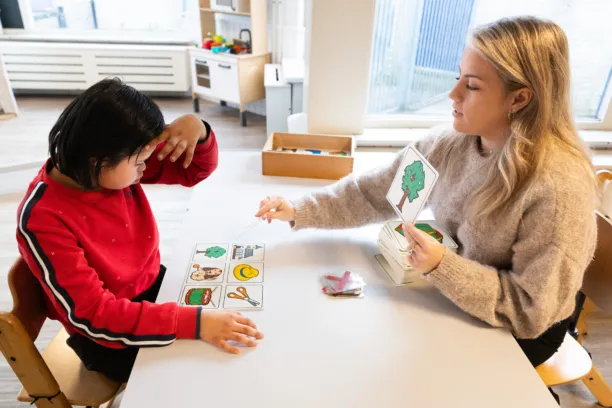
[{"x": 244, "y": 272}]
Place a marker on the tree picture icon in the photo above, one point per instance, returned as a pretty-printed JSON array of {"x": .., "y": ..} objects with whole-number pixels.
[
  {"x": 213, "y": 252},
  {"x": 413, "y": 181}
]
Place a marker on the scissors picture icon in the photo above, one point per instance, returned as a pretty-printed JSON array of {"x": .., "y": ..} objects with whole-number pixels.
[{"x": 242, "y": 295}]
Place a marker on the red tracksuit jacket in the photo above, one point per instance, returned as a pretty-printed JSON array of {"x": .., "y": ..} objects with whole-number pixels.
[{"x": 94, "y": 251}]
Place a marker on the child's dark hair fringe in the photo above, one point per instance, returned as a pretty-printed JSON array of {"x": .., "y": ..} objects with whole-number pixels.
[{"x": 102, "y": 126}]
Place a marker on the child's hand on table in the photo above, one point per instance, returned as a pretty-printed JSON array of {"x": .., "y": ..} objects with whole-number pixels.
[
  {"x": 424, "y": 252},
  {"x": 181, "y": 136},
  {"x": 276, "y": 208},
  {"x": 219, "y": 327}
]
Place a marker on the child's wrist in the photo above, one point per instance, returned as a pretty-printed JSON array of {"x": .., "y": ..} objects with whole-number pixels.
[
  {"x": 188, "y": 326},
  {"x": 206, "y": 133}
]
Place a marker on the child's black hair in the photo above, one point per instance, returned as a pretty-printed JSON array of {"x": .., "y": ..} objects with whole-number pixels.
[{"x": 102, "y": 126}]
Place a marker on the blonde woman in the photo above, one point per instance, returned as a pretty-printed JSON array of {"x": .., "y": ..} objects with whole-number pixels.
[{"x": 516, "y": 189}]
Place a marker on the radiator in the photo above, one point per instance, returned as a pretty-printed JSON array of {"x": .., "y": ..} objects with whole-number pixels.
[{"x": 40, "y": 66}]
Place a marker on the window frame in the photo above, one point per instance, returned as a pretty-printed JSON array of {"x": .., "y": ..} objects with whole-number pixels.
[
  {"x": 30, "y": 33},
  {"x": 602, "y": 120}
]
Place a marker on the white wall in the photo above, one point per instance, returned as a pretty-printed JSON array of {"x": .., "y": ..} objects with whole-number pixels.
[{"x": 338, "y": 68}]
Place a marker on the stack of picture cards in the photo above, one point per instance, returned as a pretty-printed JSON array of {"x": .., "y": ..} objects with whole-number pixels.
[
  {"x": 394, "y": 247},
  {"x": 413, "y": 182},
  {"x": 225, "y": 276}
]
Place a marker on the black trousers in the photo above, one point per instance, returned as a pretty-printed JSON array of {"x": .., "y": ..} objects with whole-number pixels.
[
  {"x": 542, "y": 348},
  {"x": 115, "y": 364}
]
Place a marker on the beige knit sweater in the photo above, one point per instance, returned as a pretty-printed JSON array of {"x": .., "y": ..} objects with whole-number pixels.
[{"x": 520, "y": 270}]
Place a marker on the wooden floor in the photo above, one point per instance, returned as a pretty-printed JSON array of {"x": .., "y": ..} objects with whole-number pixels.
[{"x": 24, "y": 139}]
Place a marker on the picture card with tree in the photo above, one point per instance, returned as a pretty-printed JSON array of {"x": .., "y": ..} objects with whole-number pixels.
[
  {"x": 205, "y": 253},
  {"x": 412, "y": 184}
]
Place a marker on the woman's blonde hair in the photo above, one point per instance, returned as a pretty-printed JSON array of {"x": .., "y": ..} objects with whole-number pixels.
[{"x": 533, "y": 53}]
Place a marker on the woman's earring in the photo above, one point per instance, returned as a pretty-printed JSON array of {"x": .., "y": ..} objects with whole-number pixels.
[{"x": 510, "y": 114}]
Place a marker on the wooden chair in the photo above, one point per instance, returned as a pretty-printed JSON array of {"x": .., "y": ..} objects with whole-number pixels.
[
  {"x": 57, "y": 379},
  {"x": 572, "y": 362},
  {"x": 603, "y": 176}
]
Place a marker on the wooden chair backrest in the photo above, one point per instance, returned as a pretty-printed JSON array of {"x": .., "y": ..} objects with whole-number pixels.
[
  {"x": 597, "y": 284},
  {"x": 603, "y": 176},
  {"x": 19, "y": 329},
  {"x": 28, "y": 298},
  {"x": 604, "y": 179}
]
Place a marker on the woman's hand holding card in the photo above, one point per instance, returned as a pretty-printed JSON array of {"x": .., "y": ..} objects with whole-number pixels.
[{"x": 424, "y": 252}]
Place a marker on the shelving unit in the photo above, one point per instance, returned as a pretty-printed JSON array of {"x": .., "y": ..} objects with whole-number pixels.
[{"x": 226, "y": 77}]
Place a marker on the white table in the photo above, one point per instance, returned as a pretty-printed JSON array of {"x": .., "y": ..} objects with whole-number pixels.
[{"x": 397, "y": 347}]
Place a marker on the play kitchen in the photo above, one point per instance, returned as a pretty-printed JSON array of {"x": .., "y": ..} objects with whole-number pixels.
[{"x": 228, "y": 64}]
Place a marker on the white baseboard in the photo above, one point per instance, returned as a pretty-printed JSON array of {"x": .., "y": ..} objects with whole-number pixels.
[
  {"x": 397, "y": 137},
  {"x": 34, "y": 164},
  {"x": 17, "y": 181},
  {"x": 389, "y": 137}
]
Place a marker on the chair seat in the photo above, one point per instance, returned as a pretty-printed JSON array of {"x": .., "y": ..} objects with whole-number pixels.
[
  {"x": 80, "y": 386},
  {"x": 570, "y": 363}
]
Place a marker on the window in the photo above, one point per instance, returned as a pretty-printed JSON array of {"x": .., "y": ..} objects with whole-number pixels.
[
  {"x": 417, "y": 47},
  {"x": 92, "y": 17}
]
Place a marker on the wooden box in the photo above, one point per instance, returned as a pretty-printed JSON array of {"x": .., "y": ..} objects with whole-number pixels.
[{"x": 308, "y": 165}]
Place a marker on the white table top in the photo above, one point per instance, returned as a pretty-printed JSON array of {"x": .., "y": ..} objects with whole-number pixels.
[{"x": 397, "y": 347}]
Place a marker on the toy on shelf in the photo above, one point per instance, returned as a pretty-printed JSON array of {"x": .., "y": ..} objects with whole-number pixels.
[{"x": 217, "y": 44}]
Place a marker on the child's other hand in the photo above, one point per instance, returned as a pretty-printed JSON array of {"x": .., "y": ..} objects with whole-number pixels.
[
  {"x": 181, "y": 136},
  {"x": 219, "y": 327},
  {"x": 425, "y": 251},
  {"x": 276, "y": 208}
]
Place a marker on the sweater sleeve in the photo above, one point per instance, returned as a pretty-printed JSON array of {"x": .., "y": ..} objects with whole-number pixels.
[
  {"x": 77, "y": 293},
  {"x": 355, "y": 200},
  {"x": 554, "y": 245},
  {"x": 205, "y": 161}
]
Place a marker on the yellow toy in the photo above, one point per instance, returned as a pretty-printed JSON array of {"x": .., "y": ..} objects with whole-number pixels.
[{"x": 244, "y": 272}]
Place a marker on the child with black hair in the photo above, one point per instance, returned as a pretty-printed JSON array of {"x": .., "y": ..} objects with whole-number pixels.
[{"x": 87, "y": 232}]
